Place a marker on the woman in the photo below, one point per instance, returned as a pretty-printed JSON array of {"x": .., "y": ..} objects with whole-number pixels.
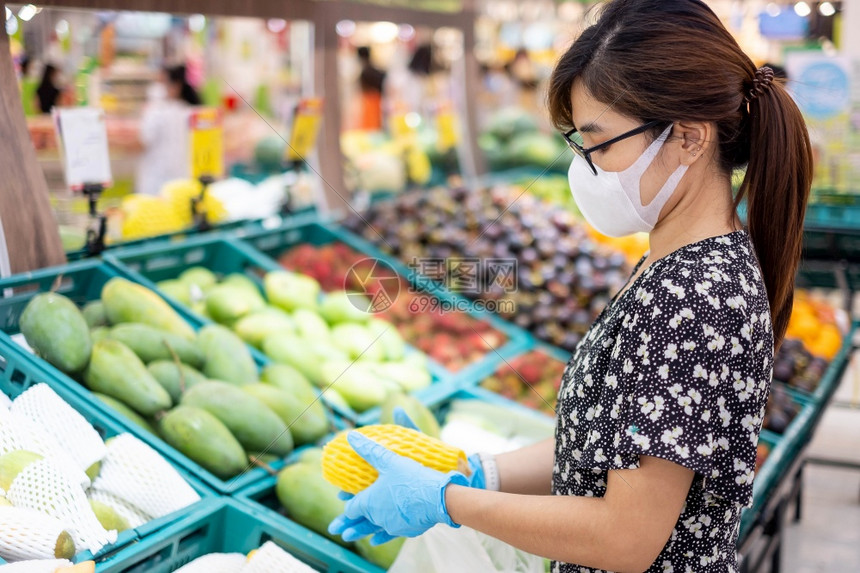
[
  {"x": 661, "y": 404},
  {"x": 164, "y": 132}
]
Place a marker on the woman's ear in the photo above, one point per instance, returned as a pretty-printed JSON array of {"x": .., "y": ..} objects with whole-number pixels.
[{"x": 695, "y": 139}]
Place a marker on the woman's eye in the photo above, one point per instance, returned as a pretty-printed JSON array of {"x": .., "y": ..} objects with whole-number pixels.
[{"x": 604, "y": 149}]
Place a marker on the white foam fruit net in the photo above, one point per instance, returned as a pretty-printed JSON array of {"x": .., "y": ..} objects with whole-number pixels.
[
  {"x": 18, "y": 432},
  {"x": 41, "y": 566},
  {"x": 27, "y": 534},
  {"x": 270, "y": 558},
  {"x": 64, "y": 423},
  {"x": 5, "y": 402},
  {"x": 215, "y": 563},
  {"x": 44, "y": 487},
  {"x": 133, "y": 471},
  {"x": 133, "y": 516}
]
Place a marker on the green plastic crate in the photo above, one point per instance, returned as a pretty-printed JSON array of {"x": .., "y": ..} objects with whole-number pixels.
[
  {"x": 273, "y": 242},
  {"x": 223, "y": 255},
  {"x": 227, "y": 525},
  {"x": 17, "y": 375},
  {"x": 82, "y": 282}
]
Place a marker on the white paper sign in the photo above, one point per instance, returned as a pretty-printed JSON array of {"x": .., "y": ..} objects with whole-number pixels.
[{"x": 83, "y": 139}]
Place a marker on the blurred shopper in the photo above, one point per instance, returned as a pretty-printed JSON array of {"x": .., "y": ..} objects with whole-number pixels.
[
  {"x": 371, "y": 81},
  {"x": 164, "y": 131},
  {"x": 49, "y": 90}
]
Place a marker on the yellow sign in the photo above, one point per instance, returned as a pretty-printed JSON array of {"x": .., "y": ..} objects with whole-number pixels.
[
  {"x": 207, "y": 143},
  {"x": 446, "y": 124},
  {"x": 306, "y": 126}
]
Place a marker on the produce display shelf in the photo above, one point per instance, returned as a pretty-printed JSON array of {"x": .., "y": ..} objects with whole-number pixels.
[
  {"x": 177, "y": 236},
  {"x": 272, "y": 242},
  {"x": 17, "y": 375},
  {"x": 223, "y": 255},
  {"x": 226, "y": 525},
  {"x": 82, "y": 282}
]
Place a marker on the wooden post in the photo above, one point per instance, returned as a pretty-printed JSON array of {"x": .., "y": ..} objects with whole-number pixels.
[{"x": 29, "y": 227}]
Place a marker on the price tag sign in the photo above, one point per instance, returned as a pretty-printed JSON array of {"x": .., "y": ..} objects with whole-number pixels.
[
  {"x": 207, "y": 143},
  {"x": 83, "y": 140},
  {"x": 306, "y": 126},
  {"x": 446, "y": 124}
]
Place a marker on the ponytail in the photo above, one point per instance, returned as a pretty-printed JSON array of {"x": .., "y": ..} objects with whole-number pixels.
[{"x": 776, "y": 185}]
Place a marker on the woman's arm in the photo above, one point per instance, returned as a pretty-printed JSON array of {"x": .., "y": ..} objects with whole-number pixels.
[
  {"x": 527, "y": 471},
  {"x": 623, "y": 531}
]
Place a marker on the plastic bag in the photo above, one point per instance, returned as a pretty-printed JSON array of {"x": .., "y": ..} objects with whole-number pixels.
[{"x": 445, "y": 549}]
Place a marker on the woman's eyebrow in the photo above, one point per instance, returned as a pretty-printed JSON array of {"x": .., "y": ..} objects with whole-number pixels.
[{"x": 591, "y": 127}]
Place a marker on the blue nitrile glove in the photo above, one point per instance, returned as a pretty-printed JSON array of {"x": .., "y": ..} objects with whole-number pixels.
[
  {"x": 476, "y": 479},
  {"x": 406, "y": 499}
]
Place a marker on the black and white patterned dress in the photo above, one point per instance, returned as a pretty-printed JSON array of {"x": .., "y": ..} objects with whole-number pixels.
[{"x": 677, "y": 367}]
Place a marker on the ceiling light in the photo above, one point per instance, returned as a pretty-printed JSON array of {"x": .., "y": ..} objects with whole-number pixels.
[
  {"x": 802, "y": 9},
  {"x": 773, "y": 9},
  {"x": 345, "y": 28},
  {"x": 196, "y": 23},
  {"x": 27, "y": 12},
  {"x": 827, "y": 9}
]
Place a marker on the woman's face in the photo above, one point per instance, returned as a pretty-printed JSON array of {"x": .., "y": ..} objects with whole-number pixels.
[{"x": 598, "y": 122}]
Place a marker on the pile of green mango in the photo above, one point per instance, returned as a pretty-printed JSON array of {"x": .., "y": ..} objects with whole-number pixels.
[
  {"x": 328, "y": 338},
  {"x": 200, "y": 391}
]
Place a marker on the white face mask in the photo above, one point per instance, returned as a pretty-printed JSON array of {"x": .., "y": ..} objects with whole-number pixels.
[{"x": 611, "y": 201}]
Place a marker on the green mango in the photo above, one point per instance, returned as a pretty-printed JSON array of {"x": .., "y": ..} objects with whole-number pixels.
[
  {"x": 226, "y": 303},
  {"x": 290, "y": 290},
  {"x": 176, "y": 289},
  {"x": 108, "y": 516},
  {"x": 267, "y": 459},
  {"x": 340, "y": 306},
  {"x": 204, "y": 439},
  {"x": 417, "y": 412},
  {"x": 312, "y": 456},
  {"x": 311, "y": 326},
  {"x": 392, "y": 343},
  {"x": 94, "y": 470},
  {"x": 359, "y": 386},
  {"x": 335, "y": 399},
  {"x": 381, "y": 555},
  {"x": 241, "y": 281},
  {"x": 405, "y": 375},
  {"x": 175, "y": 378},
  {"x": 117, "y": 371},
  {"x": 150, "y": 344},
  {"x": 94, "y": 314},
  {"x": 308, "y": 498},
  {"x": 227, "y": 357},
  {"x": 57, "y": 331},
  {"x": 356, "y": 340},
  {"x": 290, "y": 349},
  {"x": 199, "y": 277},
  {"x": 255, "y": 327},
  {"x": 286, "y": 378},
  {"x": 305, "y": 418},
  {"x": 256, "y": 426},
  {"x": 13, "y": 463},
  {"x": 124, "y": 410},
  {"x": 126, "y": 301},
  {"x": 100, "y": 333}
]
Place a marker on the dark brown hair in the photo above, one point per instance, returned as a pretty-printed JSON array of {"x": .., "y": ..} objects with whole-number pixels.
[{"x": 673, "y": 60}]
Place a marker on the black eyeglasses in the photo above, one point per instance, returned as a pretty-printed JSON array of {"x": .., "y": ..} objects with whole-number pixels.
[{"x": 574, "y": 141}]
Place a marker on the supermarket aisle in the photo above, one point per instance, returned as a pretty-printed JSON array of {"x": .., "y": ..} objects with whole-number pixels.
[{"x": 828, "y": 536}]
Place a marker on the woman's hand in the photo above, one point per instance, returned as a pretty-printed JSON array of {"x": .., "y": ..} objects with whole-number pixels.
[{"x": 406, "y": 499}]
